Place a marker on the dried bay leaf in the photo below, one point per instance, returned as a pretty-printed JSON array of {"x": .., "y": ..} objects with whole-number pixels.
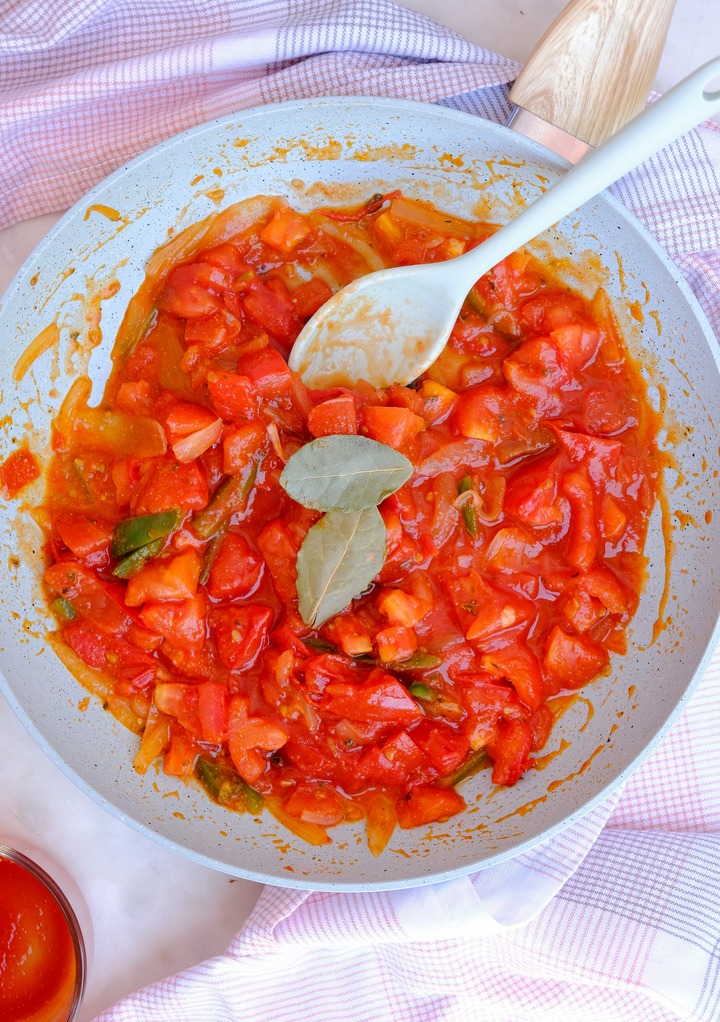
[
  {"x": 339, "y": 557},
  {"x": 344, "y": 473}
]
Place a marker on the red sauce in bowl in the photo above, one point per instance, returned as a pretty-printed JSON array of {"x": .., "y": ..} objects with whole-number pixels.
[{"x": 39, "y": 961}]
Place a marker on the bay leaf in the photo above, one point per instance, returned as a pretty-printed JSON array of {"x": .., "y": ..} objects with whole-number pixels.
[
  {"x": 344, "y": 473},
  {"x": 339, "y": 557}
]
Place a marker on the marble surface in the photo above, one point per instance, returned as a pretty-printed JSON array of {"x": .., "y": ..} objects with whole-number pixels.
[{"x": 153, "y": 911}]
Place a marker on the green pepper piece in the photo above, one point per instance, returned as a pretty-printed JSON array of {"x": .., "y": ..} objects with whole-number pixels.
[
  {"x": 424, "y": 692},
  {"x": 419, "y": 661},
  {"x": 230, "y": 498},
  {"x": 133, "y": 533},
  {"x": 137, "y": 559},
  {"x": 475, "y": 762},
  {"x": 322, "y": 645},
  {"x": 210, "y": 554},
  {"x": 63, "y": 610},
  {"x": 467, "y": 508},
  {"x": 227, "y": 788}
]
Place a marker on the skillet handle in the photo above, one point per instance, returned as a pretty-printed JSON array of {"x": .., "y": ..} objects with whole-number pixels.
[{"x": 593, "y": 69}]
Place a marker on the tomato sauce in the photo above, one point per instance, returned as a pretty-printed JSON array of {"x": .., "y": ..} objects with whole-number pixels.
[
  {"x": 37, "y": 960},
  {"x": 512, "y": 556}
]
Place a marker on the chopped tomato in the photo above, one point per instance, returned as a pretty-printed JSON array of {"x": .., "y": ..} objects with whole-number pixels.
[
  {"x": 167, "y": 484},
  {"x": 170, "y": 577},
  {"x": 513, "y": 555},
  {"x": 268, "y": 371},
  {"x": 310, "y": 296},
  {"x": 396, "y": 427},
  {"x": 336, "y": 415},
  {"x": 520, "y": 666},
  {"x": 428, "y": 803},
  {"x": 235, "y": 570},
  {"x": 573, "y": 660},
  {"x": 17, "y": 471},
  {"x": 213, "y": 703},
  {"x": 233, "y": 396},
  {"x": 85, "y": 537},
  {"x": 244, "y": 446},
  {"x": 286, "y": 230},
  {"x": 270, "y": 306},
  {"x": 396, "y": 643},
  {"x": 380, "y": 698},
  {"x": 241, "y": 633},
  {"x": 510, "y": 751},
  {"x": 181, "y": 622},
  {"x": 318, "y": 803}
]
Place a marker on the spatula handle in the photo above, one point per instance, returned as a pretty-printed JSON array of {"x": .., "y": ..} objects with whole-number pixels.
[{"x": 593, "y": 69}]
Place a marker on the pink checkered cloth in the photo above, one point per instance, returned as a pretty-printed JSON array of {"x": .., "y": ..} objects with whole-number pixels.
[{"x": 617, "y": 918}]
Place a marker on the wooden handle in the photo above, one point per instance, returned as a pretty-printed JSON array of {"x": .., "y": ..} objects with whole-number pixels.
[{"x": 593, "y": 69}]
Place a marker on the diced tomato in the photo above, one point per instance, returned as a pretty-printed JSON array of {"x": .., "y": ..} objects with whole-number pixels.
[
  {"x": 510, "y": 751},
  {"x": 391, "y": 762},
  {"x": 213, "y": 704},
  {"x": 286, "y": 230},
  {"x": 168, "y": 577},
  {"x": 268, "y": 371},
  {"x": 536, "y": 370},
  {"x": 184, "y": 417},
  {"x": 181, "y": 622},
  {"x": 401, "y": 608},
  {"x": 110, "y": 653},
  {"x": 136, "y": 396},
  {"x": 216, "y": 332},
  {"x": 480, "y": 413},
  {"x": 583, "y": 544},
  {"x": 236, "y": 568},
  {"x": 488, "y": 702},
  {"x": 310, "y": 296},
  {"x": 437, "y": 400},
  {"x": 427, "y": 803},
  {"x": 336, "y": 415},
  {"x": 244, "y": 447},
  {"x": 179, "y": 700},
  {"x": 186, "y": 293},
  {"x": 396, "y": 427},
  {"x": 551, "y": 309},
  {"x": 532, "y": 495},
  {"x": 347, "y": 631},
  {"x": 317, "y": 803},
  {"x": 167, "y": 484},
  {"x": 85, "y": 537},
  {"x": 17, "y": 471},
  {"x": 247, "y": 735},
  {"x": 241, "y": 633},
  {"x": 279, "y": 550},
  {"x": 380, "y": 698},
  {"x": 540, "y": 725},
  {"x": 88, "y": 595},
  {"x": 270, "y": 306},
  {"x": 233, "y": 396},
  {"x": 181, "y": 754},
  {"x": 498, "y": 611},
  {"x": 573, "y": 660},
  {"x": 396, "y": 643},
  {"x": 228, "y": 258},
  {"x": 443, "y": 746},
  {"x": 520, "y": 666}
]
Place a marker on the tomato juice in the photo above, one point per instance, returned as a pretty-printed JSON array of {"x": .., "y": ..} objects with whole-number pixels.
[
  {"x": 230, "y": 625},
  {"x": 41, "y": 952}
]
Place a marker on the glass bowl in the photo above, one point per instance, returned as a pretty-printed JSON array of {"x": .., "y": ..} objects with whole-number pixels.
[{"x": 43, "y": 969}]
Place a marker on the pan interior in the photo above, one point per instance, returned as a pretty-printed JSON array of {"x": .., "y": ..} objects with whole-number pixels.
[{"x": 343, "y": 150}]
